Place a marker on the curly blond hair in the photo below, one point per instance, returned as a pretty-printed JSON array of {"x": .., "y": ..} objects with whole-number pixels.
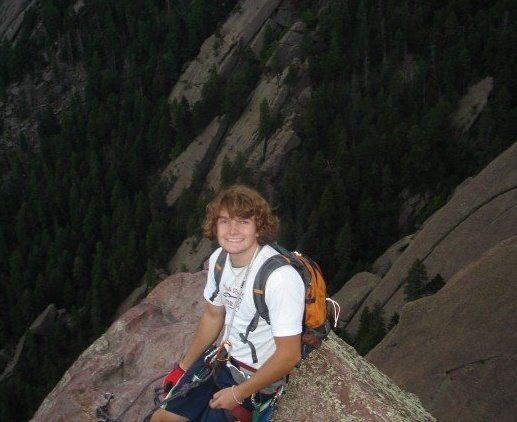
[{"x": 243, "y": 202}]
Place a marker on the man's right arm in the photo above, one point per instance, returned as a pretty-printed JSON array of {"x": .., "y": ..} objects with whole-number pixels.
[{"x": 207, "y": 331}]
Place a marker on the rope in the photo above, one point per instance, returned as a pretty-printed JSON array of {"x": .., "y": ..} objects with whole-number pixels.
[
  {"x": 337, "y": 310},
  {"x": 102, "y": 412}
]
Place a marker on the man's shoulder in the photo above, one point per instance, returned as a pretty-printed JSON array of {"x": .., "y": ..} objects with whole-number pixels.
[
  {"x": 267, "y": 251},
  {"x": 214, "y": 255},
  {"x": 282, "y": 271}
]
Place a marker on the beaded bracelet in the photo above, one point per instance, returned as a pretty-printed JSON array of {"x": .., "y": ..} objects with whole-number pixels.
[{"x": 234, "y": 396}]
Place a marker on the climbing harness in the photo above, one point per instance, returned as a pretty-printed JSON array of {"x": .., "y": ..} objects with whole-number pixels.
[{"x": 214, "y": 357}]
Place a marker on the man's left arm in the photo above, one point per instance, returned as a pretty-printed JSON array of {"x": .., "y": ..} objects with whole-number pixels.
[{"x": 281, "y": 363}]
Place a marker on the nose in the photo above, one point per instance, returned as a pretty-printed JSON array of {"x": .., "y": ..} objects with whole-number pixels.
[{"x": 233, "y": 226}]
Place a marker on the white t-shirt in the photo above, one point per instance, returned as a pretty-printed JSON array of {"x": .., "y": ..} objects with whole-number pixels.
[{"x": 285, "y": 299}]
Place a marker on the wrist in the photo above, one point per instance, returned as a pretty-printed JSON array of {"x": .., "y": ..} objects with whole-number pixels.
[{"x": 236, "y": 396}]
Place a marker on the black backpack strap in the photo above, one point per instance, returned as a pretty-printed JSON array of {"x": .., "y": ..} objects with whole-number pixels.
[
  {"x": 259, "y": 297},
  {"x": 218, "y": 272},
  {"x": 259, "y": 285}
]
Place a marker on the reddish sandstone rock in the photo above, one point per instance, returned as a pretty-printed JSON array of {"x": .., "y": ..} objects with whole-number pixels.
[
  {"x": 333, "y": 384},
  {"x": 137, "y": 348},
  {"x": 336, "y": 384}
]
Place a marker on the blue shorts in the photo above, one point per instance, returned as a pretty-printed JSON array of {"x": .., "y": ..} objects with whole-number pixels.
[{"x": 194, "y": 405}]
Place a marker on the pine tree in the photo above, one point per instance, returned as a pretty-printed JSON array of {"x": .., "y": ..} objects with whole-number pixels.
[
  {"x": 434, "y": 285},
  {"x": 394, "y": 320},
  {"x": 415, "y": 281},
  {"x": 371, "y": 329}
]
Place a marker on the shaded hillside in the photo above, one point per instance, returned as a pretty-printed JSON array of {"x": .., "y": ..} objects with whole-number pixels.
[
  {"x": 383, "y": 138},
  {"x": 480, "y": 214},
  {"x": 454, "y": 348},
  {"x": 82, "y": 218}
]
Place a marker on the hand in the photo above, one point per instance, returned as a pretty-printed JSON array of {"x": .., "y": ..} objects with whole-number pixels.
[
  {"x": 223, "y": 399},
  {"x": 173, "y": 377}
]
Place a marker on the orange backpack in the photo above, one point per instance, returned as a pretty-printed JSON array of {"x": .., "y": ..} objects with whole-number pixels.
[{"x": 316, "y": 324}]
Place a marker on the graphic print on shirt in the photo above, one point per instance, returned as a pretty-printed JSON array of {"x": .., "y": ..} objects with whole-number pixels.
[{"x": 230, "y": 293}]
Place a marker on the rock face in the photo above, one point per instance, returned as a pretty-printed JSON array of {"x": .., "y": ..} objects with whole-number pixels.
[
  {"x": 12, "y": 13},
  {"x": 353, "y": 293},
  {"x": 180, "y": 172},
  {"x": 285, "y": 87},
  {"x": 480, "y": 215},
  {"x": 382, "y": 264},
  {"x": 41, "y": 326},
  {"x": 456, "y": 349},
  {"x": 137, "y": 348},
  {"x": 472, "y": 104},
  {"x": 334, "y": 384},
  {"x": 221, "y": 52},
  {"x": 243, "y": 136},
  {"x": 191, "y": 255}
]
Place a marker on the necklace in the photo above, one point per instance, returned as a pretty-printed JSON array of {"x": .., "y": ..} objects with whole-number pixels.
[
  {"x": 238, "y": 300},
  {"x": 238, "y": 270}
]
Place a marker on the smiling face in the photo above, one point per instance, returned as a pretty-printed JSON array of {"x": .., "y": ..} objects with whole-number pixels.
[{"x": 238, "y": 236}]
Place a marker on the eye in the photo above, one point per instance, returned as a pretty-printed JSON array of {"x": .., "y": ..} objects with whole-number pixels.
[
  {"x": 244, "y": 221},
  {"x": 223, "y": 220}
]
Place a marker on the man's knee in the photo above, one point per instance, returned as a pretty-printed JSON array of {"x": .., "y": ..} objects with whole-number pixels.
[{"x": 163, "y": 416}]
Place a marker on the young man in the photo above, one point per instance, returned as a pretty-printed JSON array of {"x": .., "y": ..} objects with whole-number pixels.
[{"x": 243, "y": 224}]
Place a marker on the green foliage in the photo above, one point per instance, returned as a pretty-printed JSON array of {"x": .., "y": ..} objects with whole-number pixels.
[
  {"x": 394, "y": 320},
  {"x": 434, "y": 285},
  {"x": 238, "y": 88},
  {"x": 236, "y": 171},
  {"x": 429, "y": 209},
  {"x": 415, "y": 281},
  {"x": 86, "y": 211},
  {"x": 210, "y": 104},
  {"x": 268, "y": 123},
  {"x": 386, "y": 80},
  {"x": 371, "y": 329}
]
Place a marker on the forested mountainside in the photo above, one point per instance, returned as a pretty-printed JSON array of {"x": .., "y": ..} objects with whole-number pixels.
[{"x": 83, "y": 215}]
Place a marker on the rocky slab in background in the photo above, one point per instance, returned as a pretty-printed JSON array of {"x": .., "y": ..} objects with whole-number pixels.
[
  {"x": 335, "y": 384},
  {"x": 43, "y": 325},
  {"x": 353, "y": 293},
  {"x": 480, "y": 215},
  {"x": 472, "y": 104},
  {"x": 191, "y": 255},
  {"x": 12, "y": 13},
  {"x": 283, "y": 141},
  {"x": 243, "y": 135},
  {"x": 242, "y": 26},
  {"x": 457, "y": 349},
  {"x": 180, "y": 172},
  {"x": 288, "y": 48},
  {"x": 246, "y": 27},
  {"x": 382, "y": 264}
]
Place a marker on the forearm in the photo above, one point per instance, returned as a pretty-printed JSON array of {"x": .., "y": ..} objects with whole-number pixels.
[{"x": 207, "y": 331}]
